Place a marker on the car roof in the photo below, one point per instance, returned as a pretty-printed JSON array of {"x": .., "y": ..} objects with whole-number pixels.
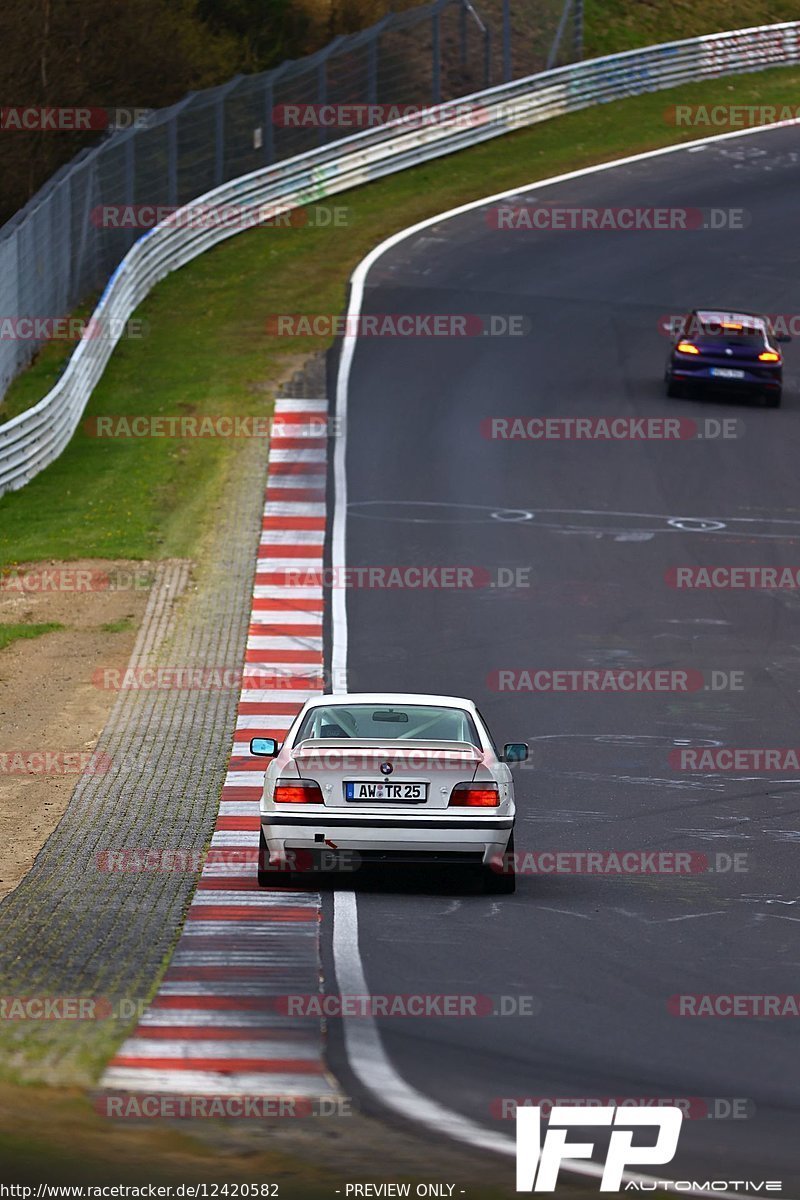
[
  {"x": 390, "y": 698},
  {"x": 714, "y": 316}
]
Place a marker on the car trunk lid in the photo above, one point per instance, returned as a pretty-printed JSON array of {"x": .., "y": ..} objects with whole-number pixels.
[{"x": 384, "y": 776}]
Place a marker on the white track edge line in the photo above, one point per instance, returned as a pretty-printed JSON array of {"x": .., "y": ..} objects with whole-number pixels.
[{"x": 366, "y": 1056}]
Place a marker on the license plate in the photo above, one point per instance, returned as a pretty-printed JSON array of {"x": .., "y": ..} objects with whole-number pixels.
[
  {"x": 409, "y": 793},
  {"x": 727, "y": 373}
]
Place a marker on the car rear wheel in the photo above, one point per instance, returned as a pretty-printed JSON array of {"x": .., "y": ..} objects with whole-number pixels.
[
  {"x": 675, "y": 391},
  {"x": 772, "y": 401},
  {"x": 502, "y": 882},
  {"x": 268, "y": 876}
]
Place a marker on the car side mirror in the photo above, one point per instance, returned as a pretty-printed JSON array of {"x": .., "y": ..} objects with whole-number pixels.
[
  {"x": 782, "y": 337},
  {"x": 515, "y": 752},
  {"x": 264, "y": 747}
]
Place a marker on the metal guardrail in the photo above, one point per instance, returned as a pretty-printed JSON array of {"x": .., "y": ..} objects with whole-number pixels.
[
  {"x": 62, "y": 246},
  {"x": 35, "y": 438}
]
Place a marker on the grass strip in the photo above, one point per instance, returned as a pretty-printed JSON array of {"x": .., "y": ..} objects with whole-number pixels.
[{"x": 12, "y": 633}]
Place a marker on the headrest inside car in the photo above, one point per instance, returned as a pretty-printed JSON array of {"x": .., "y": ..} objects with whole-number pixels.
[{"x": 332, "y": 731}]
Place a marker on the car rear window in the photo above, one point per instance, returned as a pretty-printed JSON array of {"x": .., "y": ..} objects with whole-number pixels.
[{"x": 389, "y": 722}]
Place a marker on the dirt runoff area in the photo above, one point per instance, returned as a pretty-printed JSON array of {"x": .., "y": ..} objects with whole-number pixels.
[{"x": 51, "y": 713}]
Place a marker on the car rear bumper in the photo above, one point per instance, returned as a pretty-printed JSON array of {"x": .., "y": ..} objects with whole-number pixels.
[
  {"x": 708, "y": 382},
  {"x": 467, "y": 839}
]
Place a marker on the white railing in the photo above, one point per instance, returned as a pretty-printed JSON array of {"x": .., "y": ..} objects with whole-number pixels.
[{"x": 32, "y": 440}]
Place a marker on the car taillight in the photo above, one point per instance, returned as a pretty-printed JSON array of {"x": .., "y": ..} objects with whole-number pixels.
[
  {"x": 297, "y": 791},
  {"x": 474, "y": 795},
  {"x": 769, "y": 356},
  {"x": 687, "y": 348}
]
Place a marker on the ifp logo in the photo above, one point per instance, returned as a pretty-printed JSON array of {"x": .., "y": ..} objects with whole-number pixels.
[{"x": 538, "y": 1162}]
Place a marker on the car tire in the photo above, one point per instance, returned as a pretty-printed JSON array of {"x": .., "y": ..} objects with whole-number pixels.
[
  {"x": 267, "y": 876},
  {"x": 675, "y": 391},
  {"x": 502, "y": 883},
  {"x": 772, "y": 401}
]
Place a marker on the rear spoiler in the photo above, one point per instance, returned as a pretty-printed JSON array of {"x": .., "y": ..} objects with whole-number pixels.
[{"x": 358, "y": 751}]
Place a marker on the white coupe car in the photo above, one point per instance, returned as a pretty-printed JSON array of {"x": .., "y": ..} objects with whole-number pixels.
[{"x": 389, "y": 778}]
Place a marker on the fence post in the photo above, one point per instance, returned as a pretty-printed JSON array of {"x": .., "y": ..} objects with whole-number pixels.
[
  {"x": 577, "y": 32},
  {"x": 506, "y": 41},
  {"x": 372, "y": 70},
  {"x": 86, "y": 258},
  {"x": 322, "y": 97},
  {"x": 219, "y": 130},
  {"x": 269, "y": 140},
  {"x": 219, "y": 139},
  {"x": 373, "y": 50},
  {"x": 172, "y": 161},
  {"x": 70, "y": 290},
  {"x": 552, "y": 57},
  {"x": 130, "y": 182},
  {"x": 436, "y": 98},
  {"x": 270, "y": 79},
  {"x": 173, "y": 192}
]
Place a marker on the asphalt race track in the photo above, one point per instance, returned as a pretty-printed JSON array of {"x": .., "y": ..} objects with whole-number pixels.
[{"x": 598, "y": 525}]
